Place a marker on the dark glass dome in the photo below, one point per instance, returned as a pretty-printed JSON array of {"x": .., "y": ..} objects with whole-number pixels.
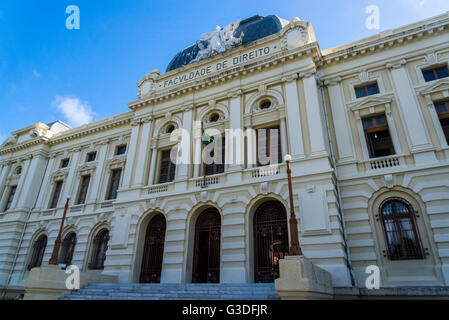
[{"x": 254, "y": 28}]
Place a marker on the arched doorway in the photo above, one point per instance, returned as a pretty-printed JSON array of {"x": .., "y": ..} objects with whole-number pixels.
[
  {"x": 153, "y": 251},
  {"x": 67, "y": 249},
  {"x": 206, "y": 255},
  {"x": 270, "y": 240},
  {"x": 100, "y": 246}
]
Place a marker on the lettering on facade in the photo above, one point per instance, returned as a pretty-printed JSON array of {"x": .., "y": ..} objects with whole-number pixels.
[{"x": 221, "y": 65}]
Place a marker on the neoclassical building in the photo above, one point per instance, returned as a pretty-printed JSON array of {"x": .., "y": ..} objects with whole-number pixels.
[{"x": 366, "y": 124}]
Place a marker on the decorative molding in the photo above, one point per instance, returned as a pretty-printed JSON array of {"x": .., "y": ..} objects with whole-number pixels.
[
  {"x": 290, "y": 78},
  {"x": 235, "y": 94},
  {"x": 396, "y": 64}
]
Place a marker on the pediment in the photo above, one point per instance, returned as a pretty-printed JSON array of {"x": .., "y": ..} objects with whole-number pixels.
[
  {"x": 370, "y": 101},
  {"x": 435, "y": 86},
  {"x": 9, "y": 142}
]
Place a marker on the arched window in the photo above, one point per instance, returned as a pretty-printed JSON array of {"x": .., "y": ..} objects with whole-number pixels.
[
  {"x": 265, "y": 104},
  {"x": 100, "y": 245},
  {"x": 399, "y": 224},
  {"x": 67, "y": 249},
  {"x": 38, "y": 252},
  {"x": 170, "y": 129},
  {"x": 214, "y": 117}
]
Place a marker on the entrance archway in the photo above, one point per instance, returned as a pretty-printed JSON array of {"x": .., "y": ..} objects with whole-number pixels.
[
  {"x": 206, "y": 256},
  {"x": 153, "y": 251},
  {"x": 270, "y": 240}
]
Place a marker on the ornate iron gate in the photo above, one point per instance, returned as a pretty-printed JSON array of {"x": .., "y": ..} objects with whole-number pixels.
[
  {"x": 270, "y": 240},
  {"x": 153, "y": 251},
  {"x": 206, "y": 258}
]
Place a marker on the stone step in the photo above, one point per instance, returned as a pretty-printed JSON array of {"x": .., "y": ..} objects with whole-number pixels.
[{"x": 135, "y": 291}]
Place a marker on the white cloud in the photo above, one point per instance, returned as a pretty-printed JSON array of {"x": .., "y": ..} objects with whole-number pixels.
[
  {"x": 36, "y": 74},
  {"x": 76, "y": 112}
]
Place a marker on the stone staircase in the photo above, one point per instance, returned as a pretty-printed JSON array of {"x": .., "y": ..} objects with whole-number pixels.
[{"x": 137, "y": 291}]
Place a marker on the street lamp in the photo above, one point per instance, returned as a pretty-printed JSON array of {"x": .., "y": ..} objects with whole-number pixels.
[
  {"x": 295, "y": 249},
  {"x": 54, "y": 255}
]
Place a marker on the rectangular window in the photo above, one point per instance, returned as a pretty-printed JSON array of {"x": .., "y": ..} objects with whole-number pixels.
[
  {"x": 56, "y": 194},
  {"x": 12, "y": 192},
  {"x": 378, "y": 136},
  {"x": 120, "y": 150},
  {"x": 114, "y": 184},
  {"x": 91, "y": 156},
  {"x": 268, "y": 141},
  {"x": 442, "y": 109},
  {"x": 435, "y": 73},
  {"x": 83, "y": 190},
  {"x": 367, "y": 90},
  {"x": 217, "y": 166},
  {"x": 65, "y": 163},
  {"x": 167, "y": 168}
]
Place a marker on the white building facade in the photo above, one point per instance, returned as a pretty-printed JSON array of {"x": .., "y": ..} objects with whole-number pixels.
[{"x": 366, "y": 125}]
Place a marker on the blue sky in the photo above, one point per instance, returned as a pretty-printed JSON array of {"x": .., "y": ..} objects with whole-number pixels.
[{"x": 48, "y": 72}]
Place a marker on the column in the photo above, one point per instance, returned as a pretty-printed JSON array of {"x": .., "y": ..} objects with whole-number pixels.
[
  {"x": 436, "y": 121},
  {"x": 45, "y": 182},
  {"x": 361, "y": 132},
  {"x": 316, "y": 129},
  {"x": 183, "y": 164},
  {"x": 234, "y": 139},
  {"x": 21, "y": 183},
  {"x": 419, "y": 140},
  {"x": 251, "y": 152},
  {"x": 33, "y": 182},
  {"x": 153, "y": 165},
  {"x": 131, "y": 154},
  {"x": 3, "y": 189},
  {"x": 293, "y": 116},
  {"x": 197, "y": 159},
  {"x": 393, "y": 131},
  {"x": 99, "y": 171},
  {"x": 69, "y": 183},
  {"x": 142, "y": 161},
  {"x": 343, "y": 135},
  {"x": 3, "y": 176},
  {"x": 284, "y": 147}
]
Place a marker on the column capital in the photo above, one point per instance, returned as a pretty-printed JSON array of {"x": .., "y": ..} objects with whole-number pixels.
[
  {"x": 290, "y": 78},
  {"x": 188, "y": 107},
  {"x": 136, "y": 122},
  {"x": 147, "y": 119},
  {"x": 235, "y": 93},
  {"x": 333, "y": 81},
  {"x": 396, "y": 64},
  {"x": 357, "y": 115},
  {"x": 307, "y": 74}
]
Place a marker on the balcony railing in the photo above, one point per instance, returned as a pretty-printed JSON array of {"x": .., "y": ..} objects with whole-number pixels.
[
  {"x": 158, "y": 189},
  {"x": 207, "y": 181},
  {"x": 385, "y": 163},
  {"x": 265, "y": 171}
]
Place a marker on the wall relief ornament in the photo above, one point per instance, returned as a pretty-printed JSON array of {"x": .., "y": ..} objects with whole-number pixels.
[
  {"x": 218, "y": 41},
  {"x": 295, "y": 34}
]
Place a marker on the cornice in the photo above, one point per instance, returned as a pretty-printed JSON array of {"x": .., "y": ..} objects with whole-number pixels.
[
  {"x": 95, "y": 127},
  {"x": 392, "y": 40},
  {"x": 279, "y": 57}
]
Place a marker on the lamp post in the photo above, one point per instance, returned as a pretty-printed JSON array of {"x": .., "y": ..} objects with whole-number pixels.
[
  {"x": 295, "y": 249},
  {"x": 54, "y": 255}
]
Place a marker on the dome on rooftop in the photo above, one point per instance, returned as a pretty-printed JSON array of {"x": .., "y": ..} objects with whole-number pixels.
[{"x": 254, "y": 28}]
